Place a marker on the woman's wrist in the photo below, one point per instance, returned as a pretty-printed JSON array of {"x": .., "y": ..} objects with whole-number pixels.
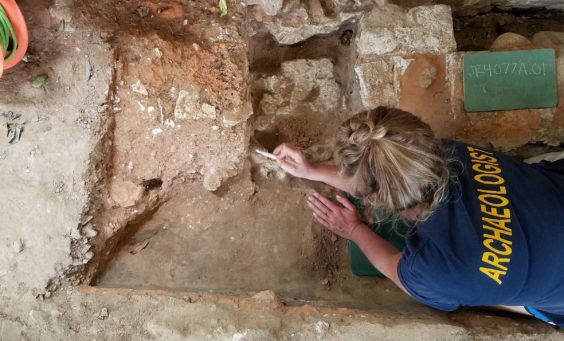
[
  {"x": 313, "y": 172},
  {"x": 357, "y": 231}
]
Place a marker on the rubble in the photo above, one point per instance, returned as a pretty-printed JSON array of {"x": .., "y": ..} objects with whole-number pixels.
[
  {"x": 302, "y": 82},
  {"x": 190, "y": 107}
]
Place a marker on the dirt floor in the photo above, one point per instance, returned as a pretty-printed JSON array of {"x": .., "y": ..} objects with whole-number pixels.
[{"x": 268, "y": 241}]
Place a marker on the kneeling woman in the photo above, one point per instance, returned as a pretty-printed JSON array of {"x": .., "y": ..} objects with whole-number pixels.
[{"x": 487, "y": 230}]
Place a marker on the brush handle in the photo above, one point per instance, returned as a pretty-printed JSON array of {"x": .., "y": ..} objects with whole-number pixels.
[
  {"x": 265, "y": 154},
  {"x": 272, "y": 156}
]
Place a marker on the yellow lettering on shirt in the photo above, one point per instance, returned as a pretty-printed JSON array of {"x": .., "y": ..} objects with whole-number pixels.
[
  {"x": 496, "y": 214},
  {"x": 493, "y": 274},
  {"x": 486, "y": 168},
  {"x": 494, "y": 200},
  {"x": 493, "y": 211},
  {"x": 497, "y": 234},
  {"x": 498, "y": 223},
  {"x": 492, "y": 259},
  {"x": 489, "y": 179},
  {"x": 506, "y": 248}
]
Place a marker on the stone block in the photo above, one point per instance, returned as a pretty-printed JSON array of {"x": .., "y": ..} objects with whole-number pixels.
[
  {"x": 295, "y": 23},
  {"x": 390, "y": 30},
  {"x": 376, "y": 83}
]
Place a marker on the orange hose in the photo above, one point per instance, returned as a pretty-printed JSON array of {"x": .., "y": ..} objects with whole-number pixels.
[{"x": 20, "y": 29}]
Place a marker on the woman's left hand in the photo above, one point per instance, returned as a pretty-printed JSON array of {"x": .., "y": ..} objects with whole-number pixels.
[{"x": 341, "y": 220}]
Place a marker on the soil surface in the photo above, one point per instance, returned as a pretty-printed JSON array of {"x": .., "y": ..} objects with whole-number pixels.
[{"x": 242, "y": 241}]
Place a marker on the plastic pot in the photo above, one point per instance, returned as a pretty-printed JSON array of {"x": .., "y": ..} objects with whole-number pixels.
[{"x": 20, "y": 29}]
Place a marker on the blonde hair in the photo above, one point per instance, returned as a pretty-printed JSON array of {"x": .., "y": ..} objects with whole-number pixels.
[{"x": 393, "y": 161}]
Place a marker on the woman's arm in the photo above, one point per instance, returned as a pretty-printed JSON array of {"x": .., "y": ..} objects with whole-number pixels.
[
  {"x": 346, "y": 222},
  {"x": 293, "y": 161},
  {"x": 383, "y": 255},
  {"x": 330, "y": 175},
  {"x": 341, "y": 220}
]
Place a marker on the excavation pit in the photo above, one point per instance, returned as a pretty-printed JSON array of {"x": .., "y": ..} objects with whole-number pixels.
[{"x": 223, "y": 220}]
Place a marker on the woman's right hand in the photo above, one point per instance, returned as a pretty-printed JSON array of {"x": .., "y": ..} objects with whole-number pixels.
[{"x": 292, "y": 160}]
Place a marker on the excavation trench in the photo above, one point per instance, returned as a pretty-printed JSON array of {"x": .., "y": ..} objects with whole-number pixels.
[{"x": 255, "y": 232}]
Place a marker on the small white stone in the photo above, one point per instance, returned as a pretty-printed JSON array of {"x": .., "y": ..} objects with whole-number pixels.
[
  {"x": 185, "y": 22},
  {"x": 196, "y": 47},
  {"x": 89, "y": 232},
  {"x": 18, "y": 246},
  {"x": 239, "y": 336},
  {"x": 214, "y": 127},
  {"x": 156, "y": 131},
  {"x": 104, "y": 313},
  {"x": 169, "y": 123},
  {"x": 139, "y": 88},
  {"x": 158, "y": 52},
  {"x": 88, "y": 256},
  {"x": 85, "y": 248}
]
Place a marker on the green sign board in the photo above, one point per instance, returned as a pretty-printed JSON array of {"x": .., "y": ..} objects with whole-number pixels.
[{"x": 509, "y": 80}]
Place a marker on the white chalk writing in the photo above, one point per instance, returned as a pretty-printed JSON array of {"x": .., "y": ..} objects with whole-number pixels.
[{"x": 518, "y": 69}]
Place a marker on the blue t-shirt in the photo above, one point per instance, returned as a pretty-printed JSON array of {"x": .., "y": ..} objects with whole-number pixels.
[{"x": 498, "y": 239}]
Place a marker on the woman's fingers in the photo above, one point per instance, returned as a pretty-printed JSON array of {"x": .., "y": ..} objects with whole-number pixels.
[
  {"x": 295, "y": 154},
  {"x": 345, "y": 202},
  {"x": 328, "y": 203},
  {"x": 284, "y": 150},
  {"x": 317, "y": 206},
  {"x": 286, "y": 166},
  {"x": 323, "y": 221},
  {"x": 279, "y": 149}
]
